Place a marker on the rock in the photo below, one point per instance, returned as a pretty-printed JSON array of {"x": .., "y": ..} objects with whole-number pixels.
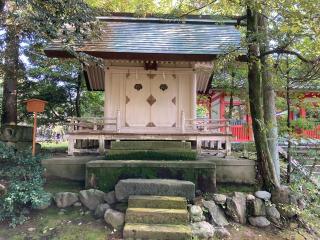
[
  {"x": 114, "y": 218},
  {"x": 264, "y": 195},
  {"x": 31, "y": 229},
  {"x": 285, "y": 199},
  {"x": 101, "y": 209},
  {"x": 301, "y": 203},
  {"x": 222, "y": 233},
  {"x": 77, "y": 204},
  {"x": 219, "y": 199},
  {"x": 158, "y": 187},
  {"x": 256, "y": 207},
  {"x": 196, "y": 214},
  {"x": 272, "y": 214},
  {"x": 281, "y": 195},
  {"x": 110, "y": 197},
  {"x": 3, "y": 190},
  {"x": 91, "y": 198},
  {"x": 259, "y": 221},
  {"x": 198, "y": 201},
  {"x": 236, "y": 207},
  {"x": 202, "y": 230},
  {"x": 250, "y": 197},
  {"x": 65, "y": 199},
  {"x": 217, "y": 215},
  {"x": 220, "y": 155}
]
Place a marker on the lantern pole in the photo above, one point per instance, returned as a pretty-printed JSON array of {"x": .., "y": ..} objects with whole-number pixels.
[{"x": 34, "y": 134}]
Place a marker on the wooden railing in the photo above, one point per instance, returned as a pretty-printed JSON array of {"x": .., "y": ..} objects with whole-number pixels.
[
  {"x": 94, "y": 124},
  {"x": 205, "y": 125}
]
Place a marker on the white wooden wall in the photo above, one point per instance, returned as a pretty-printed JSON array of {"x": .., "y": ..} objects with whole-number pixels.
[{"x": 118, "y": 78}]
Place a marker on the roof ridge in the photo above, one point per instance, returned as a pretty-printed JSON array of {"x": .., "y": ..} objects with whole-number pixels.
[{"x": 201, "y": 19}]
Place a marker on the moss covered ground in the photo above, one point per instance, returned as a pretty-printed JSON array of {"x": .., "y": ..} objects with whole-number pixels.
[
  {"x": 74, "y": 224},
  {"x": 50, "y": 224}
]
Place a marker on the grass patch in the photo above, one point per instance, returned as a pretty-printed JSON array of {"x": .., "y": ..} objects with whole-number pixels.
[
  {"x": 53, "y": 147},
  {"x": 49, "y": 224}
]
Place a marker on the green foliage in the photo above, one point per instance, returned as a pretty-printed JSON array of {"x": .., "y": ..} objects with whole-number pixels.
[
  {"x": 53, "y": 147},
  {"x": 303, "y": 124},
  {"x": 202, "y": 111},
  {"x": 23, "y": 175},
  {"x": 310, "y": 193}
]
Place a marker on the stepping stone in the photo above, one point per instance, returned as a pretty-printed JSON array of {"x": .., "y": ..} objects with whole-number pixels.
[
  {"x": 157, "y": 216},
  {"x": 157, "y": 187},
  {"x": 140, "y": 201},
  {"x": 157, "y": 231}
]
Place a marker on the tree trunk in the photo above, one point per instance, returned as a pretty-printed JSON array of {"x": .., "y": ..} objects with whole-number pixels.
[
  {"x": 265, "y": 164},
  {"x": 78, "y": 95},
  {"x": 269, "y": 96},
  {"x": 231, "y": 105},
  {"x": 288, "y": 100},
  {"x": 10, "y": 79}
]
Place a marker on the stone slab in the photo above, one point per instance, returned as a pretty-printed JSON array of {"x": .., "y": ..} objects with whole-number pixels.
[
  {"x": 149, "y": 145},
  {"x": 168, "y": 202},
  {"x": 158, "y": 187},
  {"x": 162, "y": 154},
  {"x": 159, "y": 232},
  {"x": 157, "y": 216}
]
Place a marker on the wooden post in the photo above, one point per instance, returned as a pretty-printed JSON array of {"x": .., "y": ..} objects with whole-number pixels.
[
  {"x": 95, "y": 127},
  {"x": 194, "y": 100},
  {"x": 71, "y": 143},
  {"x": 183, "y": 122},
  {"x": 35, "y": 106},
  {"x": 118, "y": 120},
  {"x": 34, "y": 134},
  {"x": 101, "y": 145},
  {"x": 199, "y": 145}
]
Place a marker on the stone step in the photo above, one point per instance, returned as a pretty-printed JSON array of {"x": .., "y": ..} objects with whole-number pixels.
[
  {"x": 157, "y": 187},
  {"x": 156, "y": 232},
  {"x": 167, "y": 202},
  {"x": 149, "y": 145},
  {"x": 157, "y": 216}
]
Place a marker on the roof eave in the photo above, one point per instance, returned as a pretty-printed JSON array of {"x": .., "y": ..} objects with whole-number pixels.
[{"x": 59, "y": 53}]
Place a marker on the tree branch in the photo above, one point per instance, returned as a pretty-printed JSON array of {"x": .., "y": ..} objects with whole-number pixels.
[
  {"x": 197, "y": 9},
  {"x": 290, "y": 52}
]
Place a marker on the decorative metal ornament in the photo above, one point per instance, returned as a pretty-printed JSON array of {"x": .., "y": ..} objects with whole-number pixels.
[
  {"x": 163, "y": 86},
  {"x": 150, "y": 124},
  {"x": 151, "y": 100},
  {"x": 138, "y": 86}
]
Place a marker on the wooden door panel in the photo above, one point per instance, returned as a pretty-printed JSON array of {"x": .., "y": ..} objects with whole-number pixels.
[
  {"x": 164, "y": 109},
  {"x": 137, "y": 108}
]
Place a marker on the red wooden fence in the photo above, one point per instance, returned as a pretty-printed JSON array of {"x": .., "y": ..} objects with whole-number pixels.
[
  {"x": 241, "y": 133},
  {"x": 313, "y": 133}
]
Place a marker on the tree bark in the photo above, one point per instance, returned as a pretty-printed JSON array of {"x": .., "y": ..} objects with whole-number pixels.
[
  {"x": 288, "y": 101},
  {"x": 78, "y": 95},
  {"x": 269, "y": 96},
  {"x": 264, "y": 159},
  {"x": 10, "y": 79},
  {"x": 231, "y": 105}
]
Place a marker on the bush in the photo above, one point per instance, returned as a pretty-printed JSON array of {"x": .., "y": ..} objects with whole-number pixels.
[{"x": 22, "y": 175}]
